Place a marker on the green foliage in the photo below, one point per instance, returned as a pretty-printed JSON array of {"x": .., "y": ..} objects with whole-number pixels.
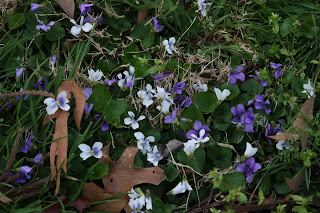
[
  {"x": 15, "y": 20},
  {"x": 206, "y": 101},
  {"x": 99, "y": 170}
]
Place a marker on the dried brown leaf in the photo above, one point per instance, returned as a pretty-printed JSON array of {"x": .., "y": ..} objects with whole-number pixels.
[
  {"x": 94, "y": 193},
  {"x": 4, "y": 199},
  {"x": 123, "y": 175},
  {"x": 295, "y": 183},
  {"x": 80, "y": 204},
  {"x": 68, "y": 6},
  {"x": 143, "y": 15}
]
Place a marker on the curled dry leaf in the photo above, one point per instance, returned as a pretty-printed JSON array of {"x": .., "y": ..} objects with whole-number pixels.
[
  {"x": 121, "y": 178},
  {"x": 59, "y": 148},
  {"x": 4, "y": 199},
  {"x": 94, "y": 193},
  {"x": 68, "y": 6}
]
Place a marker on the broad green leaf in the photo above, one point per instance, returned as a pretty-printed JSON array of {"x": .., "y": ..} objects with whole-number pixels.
[
  {"x": 113, "y": 111},
  {"x": 99, "y": 171},
  {"x": 235, "y": 179},
  {"x": 222, "y": 117},
  {"x": 171, "y": 172},
  {"x": 193, "y": 113},
  {"x": 206, "y": 101},
  {"x": 55, "y": 33},
  {"x": 159, "y": 207},
  {"x": 100, "y": 97},
  {"x": 199, "y": 159},
  {"x": 252, "y": 86},
  {"x": 220, "y": 156},
  {"x": 15, "y": 20}
]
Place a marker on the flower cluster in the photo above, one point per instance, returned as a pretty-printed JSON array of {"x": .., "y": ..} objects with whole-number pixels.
[
  {"x": 128, "y": 78},
  {"x": 242, "y": 118},
  {"x": 138, "y": 200},
  {"x": 182, "y": 187}
]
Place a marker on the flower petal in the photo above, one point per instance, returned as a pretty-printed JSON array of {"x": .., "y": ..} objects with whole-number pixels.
[
  {"x": 85, "y": 155},
  {"x": 87, "y": 27},
  {"x": 75, "y": 30},
  {"x": 97, "y": 146},
  {"x": 84, "y": 147}
]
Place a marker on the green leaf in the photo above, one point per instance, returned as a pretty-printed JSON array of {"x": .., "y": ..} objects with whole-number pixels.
[
  {"x": 234, "y": 90},
  {"x": 113, "y": 111},
  {"x": 100, "y": 97},
  {"x": 220, "y": 156},
  {"x": 193, "y": 113},
  {"x": 129, "y": 53},
  {"x": 286, "y": 27},
  {"x": 252, "y": 86},
  {"x": 282, "y": 188},
  {"x": 200, "y": 157},
  {"x": 299, "y": 209},
  {"x": 171, "y": 172},
  {"x": 172, "y": 64},
  {"x": 15, "y": 20},
  {"x": 55, "y": 33},
  {"x": 242, "y": 197},
  {"x": 182, "y": 157},
  {"x": 99, "y": 171},
  {"x": 235, "y": 179},
  {"x": 147, "y": 42},
  {"x": 206, "y": 101},
  {"x": 222, "y": 117},
  {"x": 297, "y": 198},
  {"x": 159, "y": 207}
]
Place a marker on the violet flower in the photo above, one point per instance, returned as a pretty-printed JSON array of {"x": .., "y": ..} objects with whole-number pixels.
[
  {"x": 237, "y": 75},
  {"x": 34, "y": 6},
  {"x": 42, "y": 82},
  {"x": 98, "y": 20},
  {"x": 88, "y": 108},
  {"x": 87, "y": 19},
  {"x": 87, "y": 92},
  {"x": 24, "y": 173},
  {"x": 43, "y": 26},
  {"x": 258, "y": 77},
  {"x": 109, "y": 82},
  {"x": 243, "y": 118},
  {"x": 156, "y": 26},
  {"x": 197, "y": 126},
  {"x": 275, "y": 66},
  {"x": 270, "y": 131},
  {"x": 249, "y": 168},
  {"x": 24, "y": 98},
  {"x": 160, "y": 76},
  {"x": 19, "y": 72},
  {"x": 37, "y": 158},
  {"x": 170, "y": 119},
  {"x": 178, "y": 87},
  {"x": 260, "y": 104},
  {"x": 104, "y": 127},
  {"x": 181, "y": 102},
  {"x": 27, "y": 144},
  {"x": 84, "y": 8},
  {"x": 53, "y": 59}
]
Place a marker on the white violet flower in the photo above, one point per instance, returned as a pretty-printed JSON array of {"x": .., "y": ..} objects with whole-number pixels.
[
  {"x": 200, "y": 138},
  {"x": 143, "y": 143},
  {"x": 128, "y": 79},
  {"x": 88, "y": 152},
  {"x": 135, "y": 205},
  {"x": 250, "y": 151},
  {"x": 75, "y": 30},
  {"x": 282, "y": 144},
  {"x": 181, "y": 187},
  {"x": 308, "y": 88},
  {"x": 200, "y": 87},
  {"x": 169, "y": 45},
  {"x": 53, "y": 105},
  {"x": 203, "y": 6},
  {"x": 165, "y": 99},
  {"x": 146, "y": 95},
  {"x": 190, "y": 146},
  {"x": 222, "y": 95},
  {"x": 134, "y": 123},
  {"x": 95, "y": 75},
  {"x": 154, "y": 157}
]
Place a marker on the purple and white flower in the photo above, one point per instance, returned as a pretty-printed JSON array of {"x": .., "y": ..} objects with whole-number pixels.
[
  {"x": 237, "y": 74},
  {"x": 88, "y": 152},
  {"x": 250, "y": 151},
  {"x": 146, "y": 95},
  {"x": 144, "y": 143},
  {"x": 95, "y": 76},
  {"x": 308, "y": 89},
  {"x": 84, "y": 8},
  {"x": 169, "y": 45},
  {"x": 249, "y": 168},
  {"x": 282, "y": 144},
  {"x": 37, "y": 158},
  {"x": 43, "y": 26},
  {"x": 53, "y": 105},
  {"x": 24, "y": 173},
  {"x": 132, "y": 121},
  {"x": 203, "y": 6},
  {"x": 199, "y": 87},
  {"x": 197, "y": 127},
  {"x": 87, "y": 92},
  {"x": 128, "y": 79},
  {"x": 35, "y": 6},
  {"x": 19, "y": 72},
  {"x": 190, "y": 146},
  {"x": 154, "y": 157},
  {"x": 182, "y": 187},
  {"x": 53, "y": 59},
  {"x": 165, "y": 99},
  {"x": 76, "y": 29}
]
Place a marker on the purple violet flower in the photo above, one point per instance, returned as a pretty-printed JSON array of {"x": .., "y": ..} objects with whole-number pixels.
[
  {"x": 270, "y": 131},
  {"x": 24, "y": 173},
  {"x": 243, "y": 118},
  {"x": 249, "y": 168},
  {"x": 24, "y": 98},
  {"x": 42, "y": 82},
  {"x": 278, "y": 73},
  {"x": 171, "y": 119},
  {"x": 178, "y": 99},
  {"x": 104, "y": 127},
  {"x": 156, "y": 25},
  {"x": 37, "y": 158},
  {"x": 197, "y": 126},
  {"x": 27, "y": 144},
  {"x": 275, "y": 66},
  {"x": 19, "y": 72},
  {"x": 98, "y": 20},
  {"x": 109, "y": 82},
  {"x": 178, "y": 87},
  {"x": 258, "y": 77},
  {"x": 87, "y": 19},
  {"x": 87, "y": 92},
  {"x": 35, "y": 6},
  {"x": 88, "y": 108},
  {"x": 84, "y": 8},
  {"x": 43, "y": 26},
  {"x": 260, "y": 104},
  {"x": 237, "y": 75},
  {"x": 160, "y": 76},
  {"x": 53, "y": 59}
]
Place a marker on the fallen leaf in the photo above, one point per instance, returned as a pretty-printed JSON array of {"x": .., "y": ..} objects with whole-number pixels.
[
  {"x": 123, "y": 175},
  {"x": 4, "y": 199},
  {"x": 59, "y": 148},
  {"x": 94, "y": 193},
  {"x": 143, "y": 15},
  {"x": 295, "y": 183},
  {"x": 68, "y": 6},
  {"x": 302, "y": 122},
  {"x": 80, "y": 204},
  {"x": 171, "y": 146}
]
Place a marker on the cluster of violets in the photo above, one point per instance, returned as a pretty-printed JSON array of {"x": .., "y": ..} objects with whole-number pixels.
[{"x": 138, "y": 200}]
